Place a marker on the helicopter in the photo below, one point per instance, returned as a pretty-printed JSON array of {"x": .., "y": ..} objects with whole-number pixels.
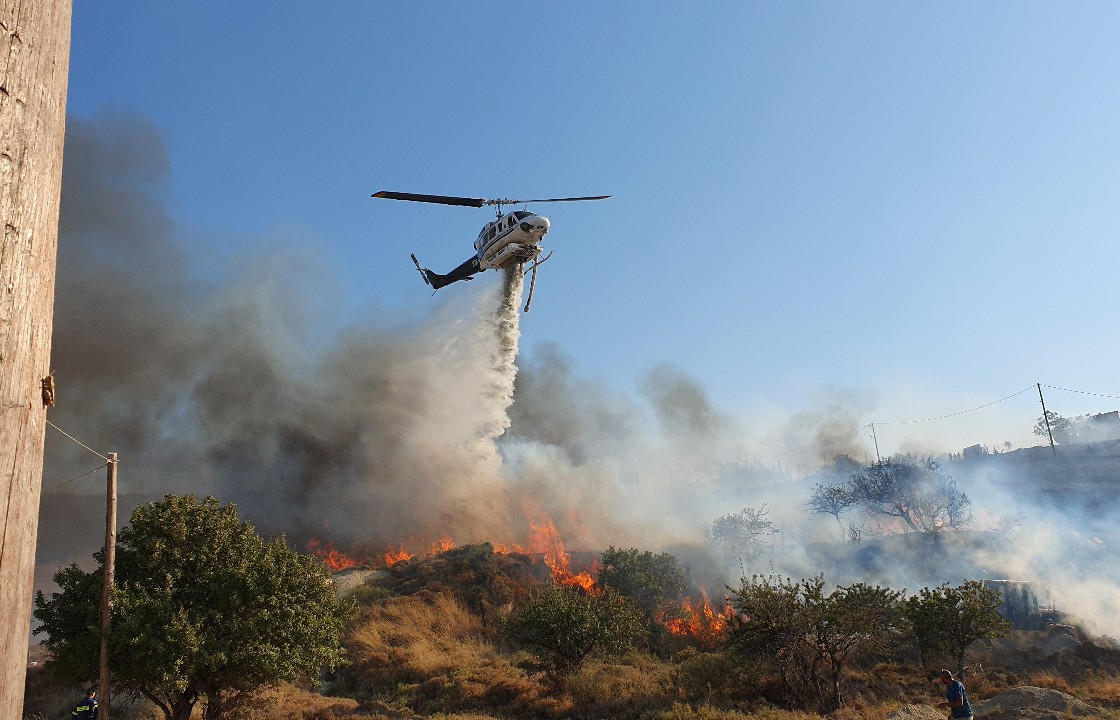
[{"x": 510, "y": 241}]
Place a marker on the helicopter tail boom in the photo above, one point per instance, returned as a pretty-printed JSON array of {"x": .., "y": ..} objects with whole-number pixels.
[{"x": 436, "y": 281}]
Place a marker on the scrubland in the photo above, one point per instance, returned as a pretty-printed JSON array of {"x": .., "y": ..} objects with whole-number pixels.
[{"x": 418, "y": 647}]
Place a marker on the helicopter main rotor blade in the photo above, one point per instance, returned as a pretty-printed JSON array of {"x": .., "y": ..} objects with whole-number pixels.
[
  {"x": 440, "y": 199},
  {"x": 522, "y": 202}
]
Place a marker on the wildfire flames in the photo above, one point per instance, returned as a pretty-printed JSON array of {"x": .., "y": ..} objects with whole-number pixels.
[
  {"x": 696, "y": 620},
  {"x": 334, "y": 559},
  {"x": 546, "y": 542},
  {"x": 700, "y": 622}
]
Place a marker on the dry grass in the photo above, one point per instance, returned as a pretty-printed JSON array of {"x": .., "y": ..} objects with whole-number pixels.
[
  {"x": 426, "y": 653},
  {"x": 1100, "y": 690},
  {"x": 288, "y": 702},
  {"x": 639, "y": 683},
  {"x": 415, "y": 637},
  {"x": 683, "y": 711}
]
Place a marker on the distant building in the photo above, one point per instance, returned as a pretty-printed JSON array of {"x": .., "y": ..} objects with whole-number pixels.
[
  {"x": 1020, "y": 604},
  {"x": 973, "y": 451}
]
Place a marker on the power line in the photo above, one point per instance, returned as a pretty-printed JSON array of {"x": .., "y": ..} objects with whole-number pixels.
[
  {"x": 78, "y": 442},
  {"x": 1081, "y": 392},
  {"x": 959, "y": 412},
  {"x": 76, "y": 477}
]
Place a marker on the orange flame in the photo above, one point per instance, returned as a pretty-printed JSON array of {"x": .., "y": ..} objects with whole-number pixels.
[
  {"x": 500, "y": 549},
  {"x": 699, "y": 621},
  {"x": 546, "y": 541},
  {"x": 334, "y": 559},
  {"x": 442, "y": 545},
  {"x": 392, "y": 557}
]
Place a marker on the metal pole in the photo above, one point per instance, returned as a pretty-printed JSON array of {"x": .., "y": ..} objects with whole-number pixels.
[
  {"x": 1046, "y": 419},
  {"x": 878, "y": 457},
  {"x": 107, "y": 584}
]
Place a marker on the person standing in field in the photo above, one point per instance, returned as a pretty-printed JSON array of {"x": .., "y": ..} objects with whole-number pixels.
[
  {"x": 87, "y": 708},
  {"x": 955, "y": 697}
]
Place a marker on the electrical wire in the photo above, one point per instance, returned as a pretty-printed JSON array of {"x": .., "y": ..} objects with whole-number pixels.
[
  {"x": 1081, "y": 392},
  {"x": 77, "y": 441},
  {"x": 959, "y": 412},
  {"x": 76, "y": 477}
]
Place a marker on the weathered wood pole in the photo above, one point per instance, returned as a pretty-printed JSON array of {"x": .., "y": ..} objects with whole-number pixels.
[
  {"x": 35, "y": 53},
  {"x": 107, "y": 583}
]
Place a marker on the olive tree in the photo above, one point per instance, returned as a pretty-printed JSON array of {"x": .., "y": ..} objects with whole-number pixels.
[
  {"x": 203, "y": 608},
  {"x": 563, "y": 626},
  {"x": 651, "y": 581},
  {"x": 808, "y": 636},
  {"x": 947, "y": 620}
]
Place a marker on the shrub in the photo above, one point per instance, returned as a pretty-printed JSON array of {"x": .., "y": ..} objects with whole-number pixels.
[{"x": 564, "y": 626}]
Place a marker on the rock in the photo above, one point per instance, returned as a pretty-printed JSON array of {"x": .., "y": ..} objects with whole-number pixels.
[
  {"x": 1031, "y": 703},
  {"x": 917, "y": 712}
]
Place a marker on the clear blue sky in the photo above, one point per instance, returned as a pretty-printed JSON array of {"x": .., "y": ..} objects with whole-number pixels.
[{"x": 914, "y": 201}]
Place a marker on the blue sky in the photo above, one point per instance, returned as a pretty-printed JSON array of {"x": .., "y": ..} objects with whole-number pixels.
[{"x": 914, "y": 204}]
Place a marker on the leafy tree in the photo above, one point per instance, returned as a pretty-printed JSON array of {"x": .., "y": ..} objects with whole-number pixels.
[
  {"x": 849, "y": 622},
  {"x": 563, "y": 626},
  {"x": 203, "y": 608},
  {"x": 1062, "y": 428},
  {"x": 948, "y": 620},
  {"x": 772, "y": 632},
  {"x": 809, "y": 636},
  {"x": 831, "y": 500},
  {"x": 651, "y": 581},
  {"x": 741, "y": 535},
  {"x": 916, "y": 492}
]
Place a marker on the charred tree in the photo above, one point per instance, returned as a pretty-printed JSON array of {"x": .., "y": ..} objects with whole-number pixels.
[{"x": 35, "y": 49}]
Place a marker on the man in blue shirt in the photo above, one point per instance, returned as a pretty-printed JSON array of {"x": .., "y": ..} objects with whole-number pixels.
[
  {"x": 87, "y": 708},
  {"x": 956, "y": 697}
]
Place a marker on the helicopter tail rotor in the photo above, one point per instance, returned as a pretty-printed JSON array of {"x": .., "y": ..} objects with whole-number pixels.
[{"x": 423, "y": 271}]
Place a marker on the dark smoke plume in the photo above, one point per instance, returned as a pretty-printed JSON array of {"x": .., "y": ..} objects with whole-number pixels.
[{"x": 218, "y": 384}]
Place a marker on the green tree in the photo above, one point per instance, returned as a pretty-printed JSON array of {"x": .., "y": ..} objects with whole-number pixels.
[
  {"x": 1062, "y": 429},
  {"x": 808, "y": 636},
  {"x": 652, "y": 582},
  {"x": 858, "y": 620},
  {"x": 563, "y": 626},
  {"x": 772, "y": 633},
  {"x": 203, "y": 608},
  {"x": 948, "y": 620}
]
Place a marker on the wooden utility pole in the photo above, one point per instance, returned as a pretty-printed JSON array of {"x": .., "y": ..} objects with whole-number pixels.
[
  {"x": 875, "y": 437},
  {"x": 1046, "y": 420},
  {"x": 35, "y": 58},
  {"x": 107, "y": 581}
]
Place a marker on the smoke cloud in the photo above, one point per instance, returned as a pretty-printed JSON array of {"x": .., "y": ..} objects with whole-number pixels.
[{"x": 212, "y": 381}]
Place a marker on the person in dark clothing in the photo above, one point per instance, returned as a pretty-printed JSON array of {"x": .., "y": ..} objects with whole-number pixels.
[
  {"x": 955, "y": 697},
  {"x": 87, "y": 708}
]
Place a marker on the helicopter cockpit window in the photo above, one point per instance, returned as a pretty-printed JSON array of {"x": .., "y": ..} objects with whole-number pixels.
[{"x": 521, "y": 214}]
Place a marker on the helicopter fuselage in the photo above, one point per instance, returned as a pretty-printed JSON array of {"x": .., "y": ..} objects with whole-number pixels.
[
  {"x": 511, "y": 239},
  {"x": 510, "y": 242}
]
